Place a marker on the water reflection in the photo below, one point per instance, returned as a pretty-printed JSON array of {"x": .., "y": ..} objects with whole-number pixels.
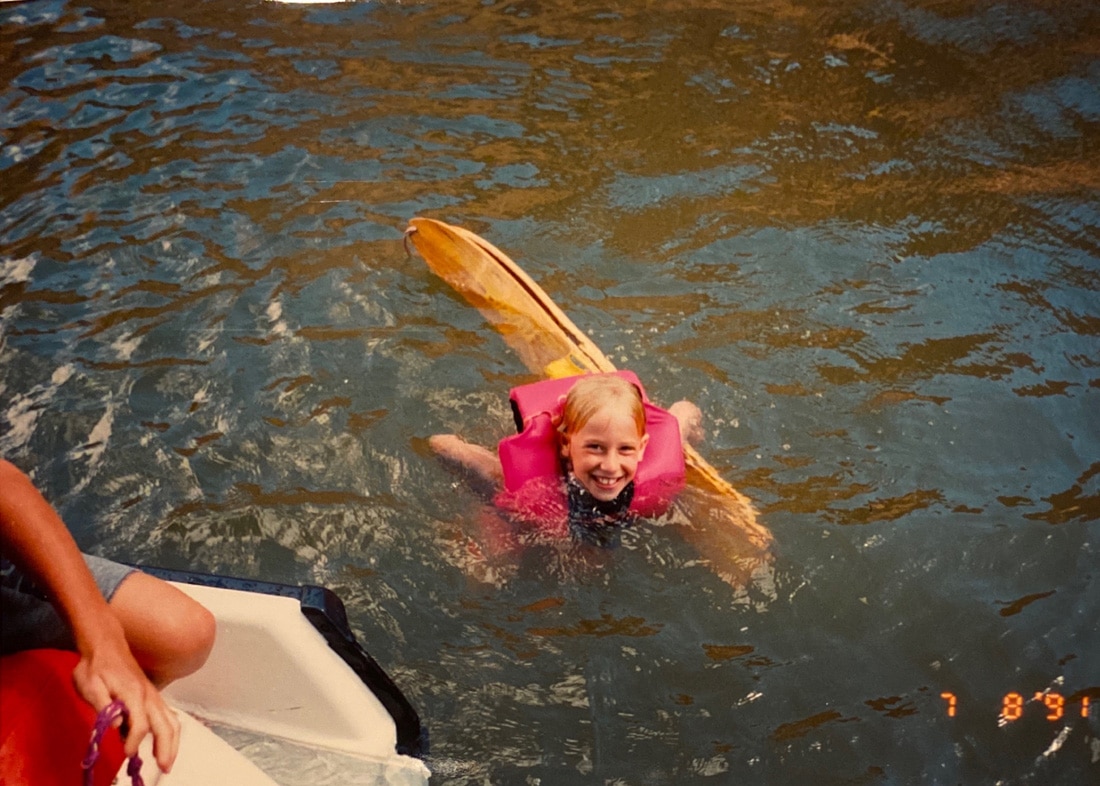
[{"x": 860, "y": 236}]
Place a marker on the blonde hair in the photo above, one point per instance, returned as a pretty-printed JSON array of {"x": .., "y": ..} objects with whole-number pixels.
[{"x": 592, "y": 394}]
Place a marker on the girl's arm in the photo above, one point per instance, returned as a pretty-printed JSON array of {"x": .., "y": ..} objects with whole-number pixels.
[{"x": 481, "y": 461}]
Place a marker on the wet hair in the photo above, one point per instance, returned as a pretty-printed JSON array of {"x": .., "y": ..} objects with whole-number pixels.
[{"x": 591, "y": 394}]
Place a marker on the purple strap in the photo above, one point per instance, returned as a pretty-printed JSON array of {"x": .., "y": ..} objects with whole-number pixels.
[{"x": 103, "y": 721}]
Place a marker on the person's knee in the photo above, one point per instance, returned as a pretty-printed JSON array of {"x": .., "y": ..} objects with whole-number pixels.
[
  {"x": 170, "y": 633},
  {"x": 190, "y": 634}
]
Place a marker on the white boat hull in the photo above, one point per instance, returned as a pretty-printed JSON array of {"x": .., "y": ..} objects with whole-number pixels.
[{"x": 277, "y": 673}]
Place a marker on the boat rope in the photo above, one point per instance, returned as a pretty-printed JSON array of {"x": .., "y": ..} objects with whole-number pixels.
[{"x": 103, "y": 721}]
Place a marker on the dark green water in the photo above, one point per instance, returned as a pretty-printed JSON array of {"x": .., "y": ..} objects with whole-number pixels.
[{"x": 863, "y": 236}]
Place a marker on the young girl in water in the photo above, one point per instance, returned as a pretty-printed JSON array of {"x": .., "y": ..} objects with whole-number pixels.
[{"x": 581, "y": 465}]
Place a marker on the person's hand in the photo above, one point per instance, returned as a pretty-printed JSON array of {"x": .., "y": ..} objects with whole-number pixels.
[
  {"x": 690, "y": 419},
  {"x": 33, "y": 536},
  {"x": 108, "y": 671}
]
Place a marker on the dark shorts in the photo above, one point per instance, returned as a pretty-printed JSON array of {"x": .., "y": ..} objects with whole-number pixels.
[{"x": 29, "y": 621}]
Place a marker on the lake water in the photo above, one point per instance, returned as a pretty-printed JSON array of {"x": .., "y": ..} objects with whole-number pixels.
[{"x": 863, "y": 236}]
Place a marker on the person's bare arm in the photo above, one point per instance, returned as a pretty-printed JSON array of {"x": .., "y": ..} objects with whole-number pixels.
[
  {"x": 690, "y": 419},
  {"x": 479, "y": 460},
  {"x": 33, "y": 536}
]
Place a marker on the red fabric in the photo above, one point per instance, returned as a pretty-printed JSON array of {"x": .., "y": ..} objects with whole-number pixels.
[{"x": 45, "y": 726}]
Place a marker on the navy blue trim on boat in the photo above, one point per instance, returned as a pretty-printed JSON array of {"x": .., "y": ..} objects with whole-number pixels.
[{"x": 325, "y": 611}]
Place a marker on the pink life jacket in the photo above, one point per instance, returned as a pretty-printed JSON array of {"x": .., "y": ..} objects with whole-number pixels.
[{"x": 532, "y": 461}]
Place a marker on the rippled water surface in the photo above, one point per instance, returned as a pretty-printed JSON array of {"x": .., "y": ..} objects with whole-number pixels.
[{"x": 863, "y": 236}]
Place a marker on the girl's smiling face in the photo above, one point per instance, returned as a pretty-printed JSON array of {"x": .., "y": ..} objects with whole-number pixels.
[{"x": 604, "y": 452}]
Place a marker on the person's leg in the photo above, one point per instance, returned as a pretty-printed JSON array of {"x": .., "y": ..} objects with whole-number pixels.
[
  {"x": 30, "y": 620},
  {"x": 170, "y": 634}
]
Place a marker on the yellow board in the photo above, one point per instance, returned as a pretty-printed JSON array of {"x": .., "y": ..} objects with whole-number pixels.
[{"x": 715, "y": 518}]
